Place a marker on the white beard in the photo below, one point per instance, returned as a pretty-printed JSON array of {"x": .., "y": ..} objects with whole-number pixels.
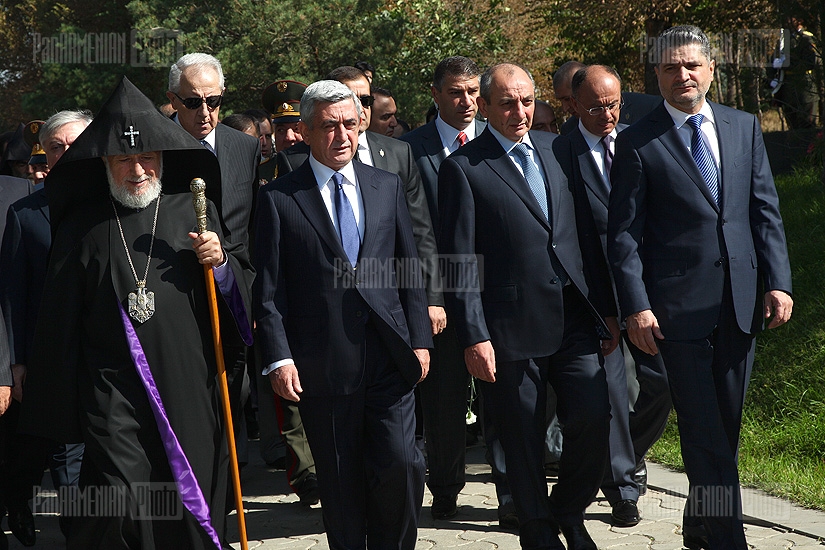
[{"x": 124, "y": 196}]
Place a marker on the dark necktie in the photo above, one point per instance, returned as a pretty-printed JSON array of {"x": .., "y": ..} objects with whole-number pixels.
[
  {"x": 533, "y": 176},
  {"x": 208, "y": 147},
  {"x": 462, "y": 138},
  {"x": 608, "y": 157},
  {"x": 703, "y": 157},
  {"x": 347, "y": 226}
]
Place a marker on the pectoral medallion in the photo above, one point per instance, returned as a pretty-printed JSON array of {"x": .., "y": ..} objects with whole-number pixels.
[{"x": 141, "y": 304}]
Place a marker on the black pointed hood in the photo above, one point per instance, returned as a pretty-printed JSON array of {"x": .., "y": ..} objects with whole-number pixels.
[{"x": 128, "y": 124}]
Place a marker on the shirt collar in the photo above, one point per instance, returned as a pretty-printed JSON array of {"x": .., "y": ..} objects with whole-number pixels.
[
  {"x": 363, "y": 143},
  {"x": 680, "y": 117},
  {"x": 508, "y": 144},
  {"x": 449, "y": 134},
  {"x": 323, "y": 172},
  {"x": 592, "y": 139},
  {"x": 210, "y": 137}
]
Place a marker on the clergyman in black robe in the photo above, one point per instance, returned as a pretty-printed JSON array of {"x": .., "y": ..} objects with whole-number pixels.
[{"x": 137, "y": 385}]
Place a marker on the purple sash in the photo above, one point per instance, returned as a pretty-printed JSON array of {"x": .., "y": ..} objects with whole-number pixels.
[{"x": 188, "y": 488}]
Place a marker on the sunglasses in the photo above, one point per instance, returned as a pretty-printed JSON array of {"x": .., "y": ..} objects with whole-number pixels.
[
  {"x": 367, "y": 100},
  {"x": 212, "y": 102}
]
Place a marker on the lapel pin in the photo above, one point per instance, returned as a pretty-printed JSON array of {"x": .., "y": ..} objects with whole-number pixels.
[{"x": 381, "y": 152}]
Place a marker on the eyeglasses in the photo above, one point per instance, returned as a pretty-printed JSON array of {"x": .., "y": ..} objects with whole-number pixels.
[
  {"x": 366, "y": 100},
  {"x": 596, "y": 111},
  {"x": 212, "y": 102}
]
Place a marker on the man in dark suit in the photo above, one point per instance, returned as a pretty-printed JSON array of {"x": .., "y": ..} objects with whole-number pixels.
[
  {"x": 393, "y": 156},
  {"x": 343, "y": 325},
  {"x": 443, "y": 395},
  {"x": 396, "y": 157},
  {"x": 11, "y": 190},
  {"x": 23, "y": 262},
  {"x": 596, "y": 96},
  {"x": 196, "y": 88},
  {"x": 694, "y": 238},
  {"x": 530, "y": 301},
  {"x": 634, "y": 105}
]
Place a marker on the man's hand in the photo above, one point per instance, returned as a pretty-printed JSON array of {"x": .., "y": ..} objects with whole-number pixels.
[
  {"x": 481, "y": 361},
  {"x": 780, "y": 305},
  {"x": 609, "y": 346},
  {"x": 5, "y": 399},
  {"x": 208, "y": 248},
  {"x": 438, "y": 318},
  {"x": 423, "y": 355},
  {"x": 285, "y": 382},
  {"x": 18, "y": 373},
  {"x": 643, "y": 329}
]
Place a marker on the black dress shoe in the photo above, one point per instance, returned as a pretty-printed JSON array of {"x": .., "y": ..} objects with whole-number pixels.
[
  {"x": 695, "y": 542},
  {"x": 21, "y": 523},
  {"x": 578, "y": 538},
  {"x": 640, "y": 477},
  {"x": 308, "y": 490},
  {"x": 507, "y": 518},
  {"x": 625, "y": 514},
  {"x": 444, "y": 507}
]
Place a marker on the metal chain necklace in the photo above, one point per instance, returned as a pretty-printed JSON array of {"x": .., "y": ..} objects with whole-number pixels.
[{"x": 141, "y": 301}]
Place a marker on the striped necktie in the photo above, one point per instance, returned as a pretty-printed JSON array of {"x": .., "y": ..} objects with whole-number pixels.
[
  {"x": 533, "y": 176},
  {"x": 703, "y": 157}
]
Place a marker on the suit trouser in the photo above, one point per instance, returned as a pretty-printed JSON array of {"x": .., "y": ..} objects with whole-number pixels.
[
  {"x": 299, "y": 460},
  {"x": 444, "y": 409},
  {"x": 650, "y": 411},
  {"x": 618, "y": 483},
  {"x": 519, "y": 396},
  {"x": 708, "y": 380},
  {"x": 370, "y": 471}
]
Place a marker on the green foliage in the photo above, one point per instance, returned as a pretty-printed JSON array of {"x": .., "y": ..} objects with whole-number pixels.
[
  {"x": 257, "y": 42},
  {"x": 783, "y": 429}
]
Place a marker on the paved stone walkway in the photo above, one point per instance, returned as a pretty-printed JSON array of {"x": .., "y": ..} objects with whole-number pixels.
[{"x": 276, "y": 520}]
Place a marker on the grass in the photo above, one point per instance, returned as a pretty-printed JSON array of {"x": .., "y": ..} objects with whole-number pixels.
[{"x": 783, "y": 430}]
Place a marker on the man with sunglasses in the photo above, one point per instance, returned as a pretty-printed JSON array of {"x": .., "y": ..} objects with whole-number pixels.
[
  {"x": 196, "y": 88},
  {"x": 597, "y": 101}
]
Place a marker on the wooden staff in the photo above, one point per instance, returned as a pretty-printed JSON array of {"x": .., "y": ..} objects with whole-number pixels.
[{"x": 198, "y": 188}]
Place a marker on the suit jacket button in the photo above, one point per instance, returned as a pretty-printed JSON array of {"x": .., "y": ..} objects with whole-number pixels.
[
  {"x": 554, "y": 245},
  {"x": 359, "y": 313},
  {"x": 554, "y": 281}
]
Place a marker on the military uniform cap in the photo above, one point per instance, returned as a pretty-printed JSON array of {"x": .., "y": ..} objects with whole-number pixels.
[
  {"x": 31, "y": 135},
  {"x": 282, "y": 99}
]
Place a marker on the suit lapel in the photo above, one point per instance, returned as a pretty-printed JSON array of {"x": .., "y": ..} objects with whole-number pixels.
[
  {"x": 433, "y": 148},
  {"x": 312, "y": 205},
  {"x": 725, "y": 135},
  {"x": 500, "y": 163},
  {"x": 368, "y": 184},
  {"x": 669, "y": 136},
  {"x": 379, "y": 156},
  {"x": 590, "y": 172}
]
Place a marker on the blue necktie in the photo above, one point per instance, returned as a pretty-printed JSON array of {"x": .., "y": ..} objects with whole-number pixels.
[
  {"x": 347, "y": 226},
  {"x": 703, "y": 157},
  {"x": 208, "y": 147},
  {"x": 533, "y": 176}
]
